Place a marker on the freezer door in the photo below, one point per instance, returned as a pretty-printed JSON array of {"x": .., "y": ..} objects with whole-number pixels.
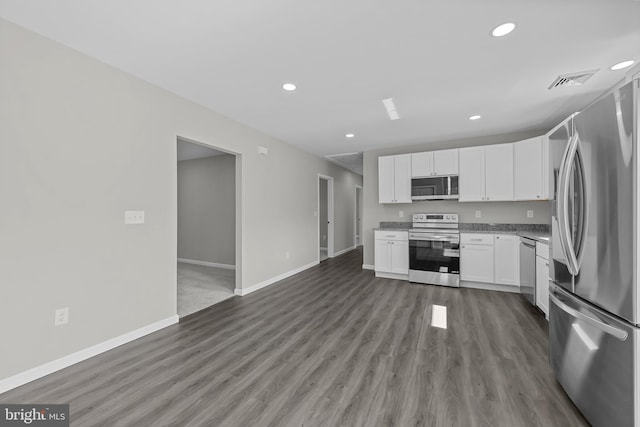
[
  {"x": 605, "y": 276},
  {"x": 592, "y": 356},
  {"x": 558, "y": 144}
]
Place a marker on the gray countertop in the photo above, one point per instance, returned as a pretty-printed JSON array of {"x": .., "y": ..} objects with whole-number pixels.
[{"x": 539, "y": 232}]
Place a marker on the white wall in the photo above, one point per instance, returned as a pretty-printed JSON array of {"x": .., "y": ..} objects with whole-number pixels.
[
  {"x": 80, "y": 143},
  {"x": 206, "y": 209},
  {"x": 491, "y": 212}
]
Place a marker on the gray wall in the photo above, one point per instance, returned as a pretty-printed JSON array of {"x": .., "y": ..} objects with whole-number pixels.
[
  {"x": 80, "y": 143},
  {"x": 492, "y": 212},
  {"x": 206, "y": 209},
  {"x": 324, "y": 226}
]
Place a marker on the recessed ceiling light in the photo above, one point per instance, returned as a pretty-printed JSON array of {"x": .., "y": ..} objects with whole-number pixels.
[
  {"x": 621, "y": 65},
  {"x": 503, "y": 30},
  {"x": 289, "y": 86},
  {"x": 350, "y": 135},
  {"x": 476, "y": 117}
]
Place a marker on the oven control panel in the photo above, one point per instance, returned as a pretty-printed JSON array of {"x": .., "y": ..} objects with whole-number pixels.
[{"x": 446, "y": 218}]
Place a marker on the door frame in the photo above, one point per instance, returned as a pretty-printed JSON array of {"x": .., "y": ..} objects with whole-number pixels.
[
  {"x": 358, "y": 194},
  {"x": 238, "y": 208},
  {"x": 330, "y": 219}
]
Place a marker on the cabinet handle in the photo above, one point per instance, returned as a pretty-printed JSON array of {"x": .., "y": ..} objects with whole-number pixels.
[
  {"x": 497, "y": 237},
  {"x": 547, "y": 264},
  {"x": 538, "y": 197},
  {"x": 476, "y": 240}
]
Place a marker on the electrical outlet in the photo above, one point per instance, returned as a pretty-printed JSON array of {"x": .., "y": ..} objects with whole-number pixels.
[
  {"x": 324, "y": 237},
  {"x": 401, "y": 214},
  {"x": 62, "y": 316},
  {"x": 134, "y": 217},
  {"x": 529, "y": 214},
  {"x": 478, "y": 214},
  {"x": 315, "y": 213},
  {"x": 286, "y": 255}
]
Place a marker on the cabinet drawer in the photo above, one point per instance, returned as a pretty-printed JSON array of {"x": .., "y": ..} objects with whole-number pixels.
[
  {"x": 391, "y": 235},
  {"x": 542, "y": 250},
  {"x": 476, "y": 238}
]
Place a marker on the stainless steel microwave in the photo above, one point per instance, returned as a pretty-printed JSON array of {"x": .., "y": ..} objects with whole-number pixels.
[{"x": 435, "y": 188}]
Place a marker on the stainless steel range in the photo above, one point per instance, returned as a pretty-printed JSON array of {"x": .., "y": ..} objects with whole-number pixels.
[{"x": 434, "y": 249}]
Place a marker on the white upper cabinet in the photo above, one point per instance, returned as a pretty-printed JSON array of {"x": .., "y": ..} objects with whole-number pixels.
[
  {"x": 429, "y": 163},
  {"x": 471, "y": 180},
  {"x": 531, "y": 165},
  {"x": 422, "y": 164},
  {"x": 486, "y": 173},
  {"x": 394, "y": 179},
  {"x": 445, "y": 162},
  {"x": 498, "y": 172}
]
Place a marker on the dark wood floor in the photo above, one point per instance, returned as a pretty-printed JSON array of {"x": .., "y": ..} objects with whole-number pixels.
[{"x": 331, "y": 346}]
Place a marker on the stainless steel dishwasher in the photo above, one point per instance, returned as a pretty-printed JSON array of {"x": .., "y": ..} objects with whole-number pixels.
[{"x": 528, "y": 269}]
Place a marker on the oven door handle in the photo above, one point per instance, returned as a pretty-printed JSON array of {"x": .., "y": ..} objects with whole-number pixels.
[{"x": 438, "y": 238}]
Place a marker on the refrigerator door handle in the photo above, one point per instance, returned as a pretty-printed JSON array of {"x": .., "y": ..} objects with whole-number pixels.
[
  {"x": 584, "y": 211},
  {"x": 611, "y": 330},
  {"x": 563, "y": 205}
]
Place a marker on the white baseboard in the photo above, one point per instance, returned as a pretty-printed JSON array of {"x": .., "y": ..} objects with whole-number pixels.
[
  {"x": 489, "y": 286},
  {"x": 344, "y": 251},
  {"x": 273, "y": 280},
  {"x": 73, "y": 358},
  {"x": 207, "y": 264},
  {"x": 368, "y": 267}
]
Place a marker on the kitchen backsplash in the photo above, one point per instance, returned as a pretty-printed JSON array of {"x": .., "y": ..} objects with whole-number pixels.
[{"x": 476, "y": 226}]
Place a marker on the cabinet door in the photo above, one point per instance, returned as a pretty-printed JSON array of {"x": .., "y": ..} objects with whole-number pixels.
[
  {"x": 542, "y": 284},
  {"x": 386, "y": 179},
  {"x": 422, "y": 164},
  {"x": 507, "y": 260},
  {"x": 498, "y": 172},
  {"x": 476, "y": 263},
  {"x": 382, "y": 256},
  {"x": 471, "y": 180},
  {"x": 445, "y": 162},
  {"x": 527, "y": 169},
  {"x": 400, "y": 257},
  {"x": 402, "y": 178}
]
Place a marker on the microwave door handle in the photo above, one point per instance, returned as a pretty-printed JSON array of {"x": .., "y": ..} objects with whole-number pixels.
[
  {"x": 604, "y": 327},
  {"x": 566, "y": 240}
]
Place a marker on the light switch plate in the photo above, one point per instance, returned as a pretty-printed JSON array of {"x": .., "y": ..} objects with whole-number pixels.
[{"x": 134, "y": 217}]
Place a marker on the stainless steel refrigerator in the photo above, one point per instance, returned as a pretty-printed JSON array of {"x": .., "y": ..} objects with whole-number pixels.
[{"x": 593, "y": 289}]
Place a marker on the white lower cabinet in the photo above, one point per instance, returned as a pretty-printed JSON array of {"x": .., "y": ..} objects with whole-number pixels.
[
  {"x": 476, "y": 257},
  {"x": 542, "y": 277},
  {"x": 490, "y": 258},
  {"x": 391, "y": 253},
  {"x": 507, "y": 259}
]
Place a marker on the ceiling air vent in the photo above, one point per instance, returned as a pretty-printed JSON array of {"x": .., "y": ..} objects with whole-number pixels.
[{"x": 573, "y": 79}]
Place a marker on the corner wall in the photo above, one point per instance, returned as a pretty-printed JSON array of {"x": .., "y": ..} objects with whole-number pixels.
[{"x": 206, "y": 209}]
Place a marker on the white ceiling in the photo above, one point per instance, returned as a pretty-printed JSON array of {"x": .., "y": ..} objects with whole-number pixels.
[{"x": 437, "y": 60}]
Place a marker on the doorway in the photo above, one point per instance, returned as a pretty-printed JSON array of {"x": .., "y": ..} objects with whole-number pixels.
[
  {"x": 357, "y": 241},
  {"x": 206, "y": 226},
  {"x": 325, "y": 217}
]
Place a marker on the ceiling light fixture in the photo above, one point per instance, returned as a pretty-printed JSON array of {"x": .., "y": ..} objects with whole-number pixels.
[
  {"x": 621, "y": 65},
  {"x": 289, "y": 87},
  {"x": 350, "y": 135},
  {"x": 476, "y": 117},
  {"x": 391, "y": 108},
  {"x": 503, "y": 30}
]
